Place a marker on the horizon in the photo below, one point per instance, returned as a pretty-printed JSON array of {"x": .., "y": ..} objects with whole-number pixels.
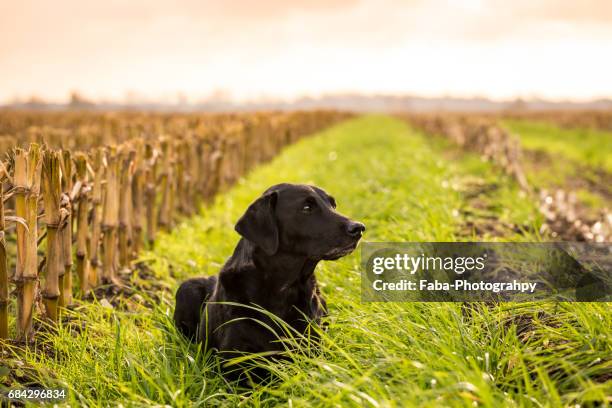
[{"x": 224, "y": 98}]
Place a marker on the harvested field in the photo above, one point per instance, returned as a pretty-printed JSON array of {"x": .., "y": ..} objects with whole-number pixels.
[{"x": 121, "y": 347}]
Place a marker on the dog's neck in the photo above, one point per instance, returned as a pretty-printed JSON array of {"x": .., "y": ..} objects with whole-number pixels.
[{"x": 282, "y": 268}]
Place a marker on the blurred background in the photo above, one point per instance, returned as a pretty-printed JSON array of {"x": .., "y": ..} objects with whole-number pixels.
[{"x": 358, "y": 54}]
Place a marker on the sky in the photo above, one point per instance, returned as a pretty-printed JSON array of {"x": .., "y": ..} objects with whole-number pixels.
[{"x": 252, "y": 49}]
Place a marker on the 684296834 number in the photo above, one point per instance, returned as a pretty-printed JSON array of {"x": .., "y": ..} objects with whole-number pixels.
[{"x": 36, "y": 394}]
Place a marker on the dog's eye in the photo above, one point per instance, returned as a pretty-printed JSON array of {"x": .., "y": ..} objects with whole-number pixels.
[{"x": 309, "y": 205}]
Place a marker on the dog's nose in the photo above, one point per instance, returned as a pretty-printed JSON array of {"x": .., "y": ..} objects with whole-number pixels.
[{"x": 355, "y": 228}]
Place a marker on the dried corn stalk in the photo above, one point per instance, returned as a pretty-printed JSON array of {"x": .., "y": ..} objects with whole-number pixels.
[
  {"x": 110, "y": 218},
  {"x": 53, "y": 219},
  {"x": 4, "y": 282},
  {"x": 96, "y": 217},
  {"x": 27, "y": 188},
  {"x": 138, "y": 192},
  {"x": 82, "y": 223},
  {"x": 216, "y": 167},
  {"x": 66, "y": 230},
  {"x": 166, "y": 186},
  {"x": 125, "y": 208},
  {"x": 181, "y": 186},
  {"x": 151, "y": 192}
]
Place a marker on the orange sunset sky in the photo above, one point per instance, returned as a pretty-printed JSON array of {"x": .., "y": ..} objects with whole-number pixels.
[{"x": 274, "y": 48}]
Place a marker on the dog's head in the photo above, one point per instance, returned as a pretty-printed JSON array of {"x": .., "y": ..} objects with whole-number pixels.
[{"x": 299, "y": 219}]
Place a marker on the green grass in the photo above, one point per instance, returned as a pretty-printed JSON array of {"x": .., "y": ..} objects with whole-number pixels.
[
  {"x": 577, "y": 160},
  {"x": 589, "y": 147},
  {"x": 404, "y": 188}
]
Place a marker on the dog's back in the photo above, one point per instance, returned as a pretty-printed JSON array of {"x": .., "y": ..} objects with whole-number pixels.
[{"x": 190, "y": 298}]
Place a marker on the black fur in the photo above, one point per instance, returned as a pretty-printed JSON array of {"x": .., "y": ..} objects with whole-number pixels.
[{"x": 285, "y": 233}]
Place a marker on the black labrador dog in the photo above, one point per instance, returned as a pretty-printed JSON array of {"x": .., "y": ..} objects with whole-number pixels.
[{"x": 285, "y": 233}]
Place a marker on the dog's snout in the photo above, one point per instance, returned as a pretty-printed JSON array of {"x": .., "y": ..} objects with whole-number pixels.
[{"x": 355, "y": 229}]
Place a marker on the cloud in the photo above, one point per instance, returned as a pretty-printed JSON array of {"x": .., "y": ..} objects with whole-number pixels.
[
  {"x": 569, "y": 11},
  {"x": 105, "y": 48}
]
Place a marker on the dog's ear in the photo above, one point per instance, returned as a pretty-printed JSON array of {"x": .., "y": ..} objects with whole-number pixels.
[
  {"x": 332, "y": 201},
  {"x": 258, "y": 224},
  {"x": 325, "y": 196}
]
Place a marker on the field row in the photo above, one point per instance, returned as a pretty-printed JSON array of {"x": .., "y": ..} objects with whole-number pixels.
[
  {"x": 100, "y": 204},
  {"x": 405, "y": 185},
  {"x": 551, "y": 165}
]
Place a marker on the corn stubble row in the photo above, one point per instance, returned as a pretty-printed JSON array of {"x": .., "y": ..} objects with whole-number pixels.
[
  {"x": 570, "y": 119},
  {"x": 481, "y": 134},
  {"x": 85, "y": 192}
]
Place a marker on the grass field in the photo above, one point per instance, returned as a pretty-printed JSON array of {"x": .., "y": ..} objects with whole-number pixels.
[
  {"x": 404, "y": 187},
  {"x": 589, "y": 147},
  {"x": 579, "y": 160}
]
